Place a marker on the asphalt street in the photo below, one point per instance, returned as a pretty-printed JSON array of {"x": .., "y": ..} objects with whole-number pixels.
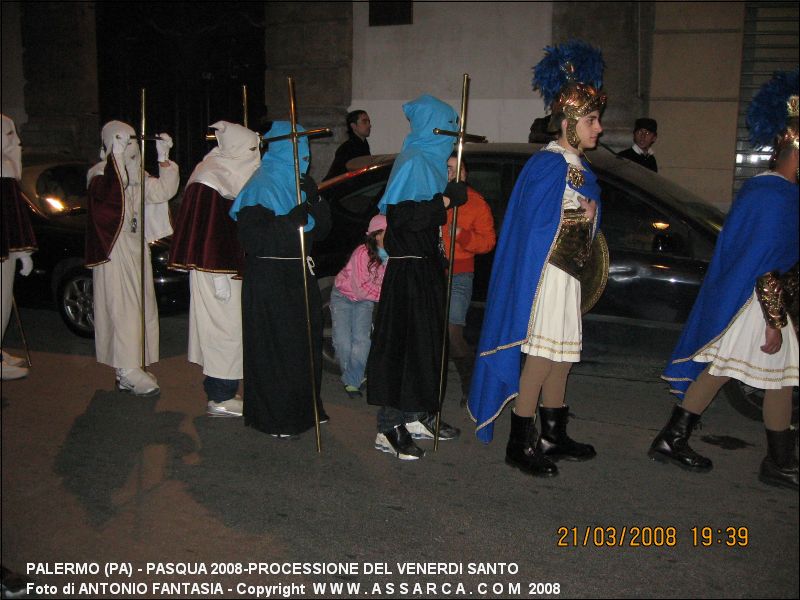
[{"x": 151, "y": 492}]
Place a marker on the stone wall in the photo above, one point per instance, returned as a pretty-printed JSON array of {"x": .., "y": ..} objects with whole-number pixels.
[
  {"x": 60, "y": 69},
  {"x": 695, "y": 94},
  {"x": 623, "y": 31},
  {"x": 13, "y": 79},
  {"x": 312, "y": 42}
]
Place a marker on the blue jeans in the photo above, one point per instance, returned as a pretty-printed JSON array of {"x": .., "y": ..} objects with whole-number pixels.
[
  {"x": 219, "y": 390},
  {"x": 460, "y": 297},
  {"x": 352, "y": 325}
]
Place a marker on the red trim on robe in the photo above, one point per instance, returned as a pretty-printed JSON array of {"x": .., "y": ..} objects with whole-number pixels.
[
  {"x": 16, "y": 232},
  {"x": 106, "y": 212},
  {"x": 205, "y": 237}
]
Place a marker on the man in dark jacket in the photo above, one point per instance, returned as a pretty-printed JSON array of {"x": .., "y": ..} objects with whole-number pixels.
[
  {"x": 358, "y": 130},
  {"x": 645, "y": 133}
]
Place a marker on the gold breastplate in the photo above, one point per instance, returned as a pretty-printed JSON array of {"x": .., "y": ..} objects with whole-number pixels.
[{"x": 573, "y": 245}]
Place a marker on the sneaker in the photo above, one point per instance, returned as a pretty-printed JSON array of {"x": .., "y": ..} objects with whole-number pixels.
[
  {"x": 9, "y": 372},
  {"x": 228, "y": 408},
  {"x": 425, "y": 428},
  {"x": 323, "y": 416},
  {"x": 14, "y": 361},
  {"x": 137, "y": 382},
  {"x": 284, "y": 436},
  {"x": 398, "y": 442},
  {"x": 13, "y": 585},
  {"x": 353, "y": 391}
]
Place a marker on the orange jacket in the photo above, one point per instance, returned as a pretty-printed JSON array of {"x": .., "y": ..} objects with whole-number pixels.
[{"x": 476, "y": 235}]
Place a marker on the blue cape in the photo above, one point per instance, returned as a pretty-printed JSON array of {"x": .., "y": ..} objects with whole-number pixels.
[
  {"x": 420, "y": 170},
  {"x": 760, "y": 235},
  {"x": 529, "y": 229},
  {"x": 272, "y": 185}
]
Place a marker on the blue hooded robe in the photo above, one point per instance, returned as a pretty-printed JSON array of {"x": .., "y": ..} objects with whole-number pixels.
[
  {"x": 272, "y": 185},
  {"x": 406, "y": 352},
  {"x": 278, "y": 389},
  {"x": 530, "y": 227},
  {"x": 760, "y": 235}
]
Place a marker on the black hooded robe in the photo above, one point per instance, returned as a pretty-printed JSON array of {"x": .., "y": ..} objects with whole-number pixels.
[
  {"x": 277, "y": 384},
  {"x": 406, "y": 353}
]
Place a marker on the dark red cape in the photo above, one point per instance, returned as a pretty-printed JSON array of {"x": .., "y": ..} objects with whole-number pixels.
[
  {"x": 106, "y": 213},
  {"x": 205, "y": 237},
  {"x": 16, "y": 233}
]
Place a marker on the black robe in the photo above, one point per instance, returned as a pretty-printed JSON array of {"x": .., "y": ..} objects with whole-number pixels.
[
  {"x": 648, "y": 161},
  {"x": 277, "y": 386},
  {"x": 352, "y": 148},
  {"x": 406, "y": 354}
]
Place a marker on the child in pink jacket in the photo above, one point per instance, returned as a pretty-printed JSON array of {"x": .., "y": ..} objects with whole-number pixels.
[{"x": 356, "y": 291}]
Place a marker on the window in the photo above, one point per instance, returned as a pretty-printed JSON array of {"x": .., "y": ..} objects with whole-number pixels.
[
  {"x": 634, "y": 225},
  {"x": 391, "y": 13},
  {"x": 769, "y": 44},
  {"x": 363, "y": 199}
]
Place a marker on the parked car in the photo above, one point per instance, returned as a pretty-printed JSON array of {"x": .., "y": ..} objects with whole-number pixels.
[
  {"x": 55, "y": 189},
  {"x": 660, "y": 240},
  {"x": 660, "y": 236}
]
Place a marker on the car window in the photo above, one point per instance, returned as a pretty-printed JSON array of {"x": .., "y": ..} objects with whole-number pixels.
[
  {"x": 363, "y": 199},
  {"x": 487, "y": 179},
  {"x": 630, "y": 223},
  {"x": 62, "y": 189}
]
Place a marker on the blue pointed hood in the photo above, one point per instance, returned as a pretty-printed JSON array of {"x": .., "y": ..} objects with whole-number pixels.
[
  {"x": 420, "y": 170},
  {"x": 272, "y": 185}
]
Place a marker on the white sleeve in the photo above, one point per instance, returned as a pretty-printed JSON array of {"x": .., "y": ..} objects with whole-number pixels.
[{"x": 165, "y": 186}]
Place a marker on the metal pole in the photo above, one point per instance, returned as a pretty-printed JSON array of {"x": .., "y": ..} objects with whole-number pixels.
[
  {"x": 244, "y": 105},
  {"x": 313, "y": 379},
  {"x": 443, "y": 369},
  {"x": 142, "y": 242},
  {"x": 21, "y": 331}
]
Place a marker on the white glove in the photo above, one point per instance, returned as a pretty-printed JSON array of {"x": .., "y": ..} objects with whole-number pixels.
[
  {"x": 26, "y": 263},
  {"x": 222, "y": 288},
  {"x": 121, "y": 141},
  {"x": 162, "y": 147}
]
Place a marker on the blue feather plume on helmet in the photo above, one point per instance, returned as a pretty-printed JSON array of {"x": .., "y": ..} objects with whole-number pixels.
[
  {"x": 767, "y": 114},
  {"x": 551, "y": 73}
]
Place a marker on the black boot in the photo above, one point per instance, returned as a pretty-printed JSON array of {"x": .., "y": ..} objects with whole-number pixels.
[
  {"x": 672, "y": 443},
  {"x": 521, "y": 450},
  {"x": 779, "y": 466},
  {"x": 554, "y": 441}
]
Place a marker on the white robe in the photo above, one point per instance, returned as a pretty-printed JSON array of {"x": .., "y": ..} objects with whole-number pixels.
[
  {"x": 117, "y": 290},
  {"x": 215, "y": 328}
]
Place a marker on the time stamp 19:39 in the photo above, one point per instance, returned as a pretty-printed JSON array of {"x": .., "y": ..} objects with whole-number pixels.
[{"x": 633, "y": 536}]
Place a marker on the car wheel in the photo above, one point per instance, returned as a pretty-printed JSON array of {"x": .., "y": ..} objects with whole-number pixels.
[
  {"x": 75, "y": 296},
  {"x": 329, "y": 362},
  {"x": 749, "y": 401}
]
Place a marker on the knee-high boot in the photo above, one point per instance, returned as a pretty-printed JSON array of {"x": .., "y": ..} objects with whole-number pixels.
[
  {"x": 779, "y": 466},
  {"x": 672, "y": 442},
  {"x": 521, "y": 450},
  {"x": 554, "y": 441}
]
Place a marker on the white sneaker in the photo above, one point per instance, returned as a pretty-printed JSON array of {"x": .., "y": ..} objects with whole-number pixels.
[
  {"x": 14, "y": 361},
  {"x": 228, "y": 408},
  {"x": 137, "y": 382},
  {"x": 9, "y": 372}
]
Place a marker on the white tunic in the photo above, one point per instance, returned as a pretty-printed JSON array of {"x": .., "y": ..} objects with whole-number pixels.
[
  {"x": 737, "y": 353},
  {"x": 117, "y": 290},
  {"x": 215, "y": 328},
  {"x": 554, "y": 330}
]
